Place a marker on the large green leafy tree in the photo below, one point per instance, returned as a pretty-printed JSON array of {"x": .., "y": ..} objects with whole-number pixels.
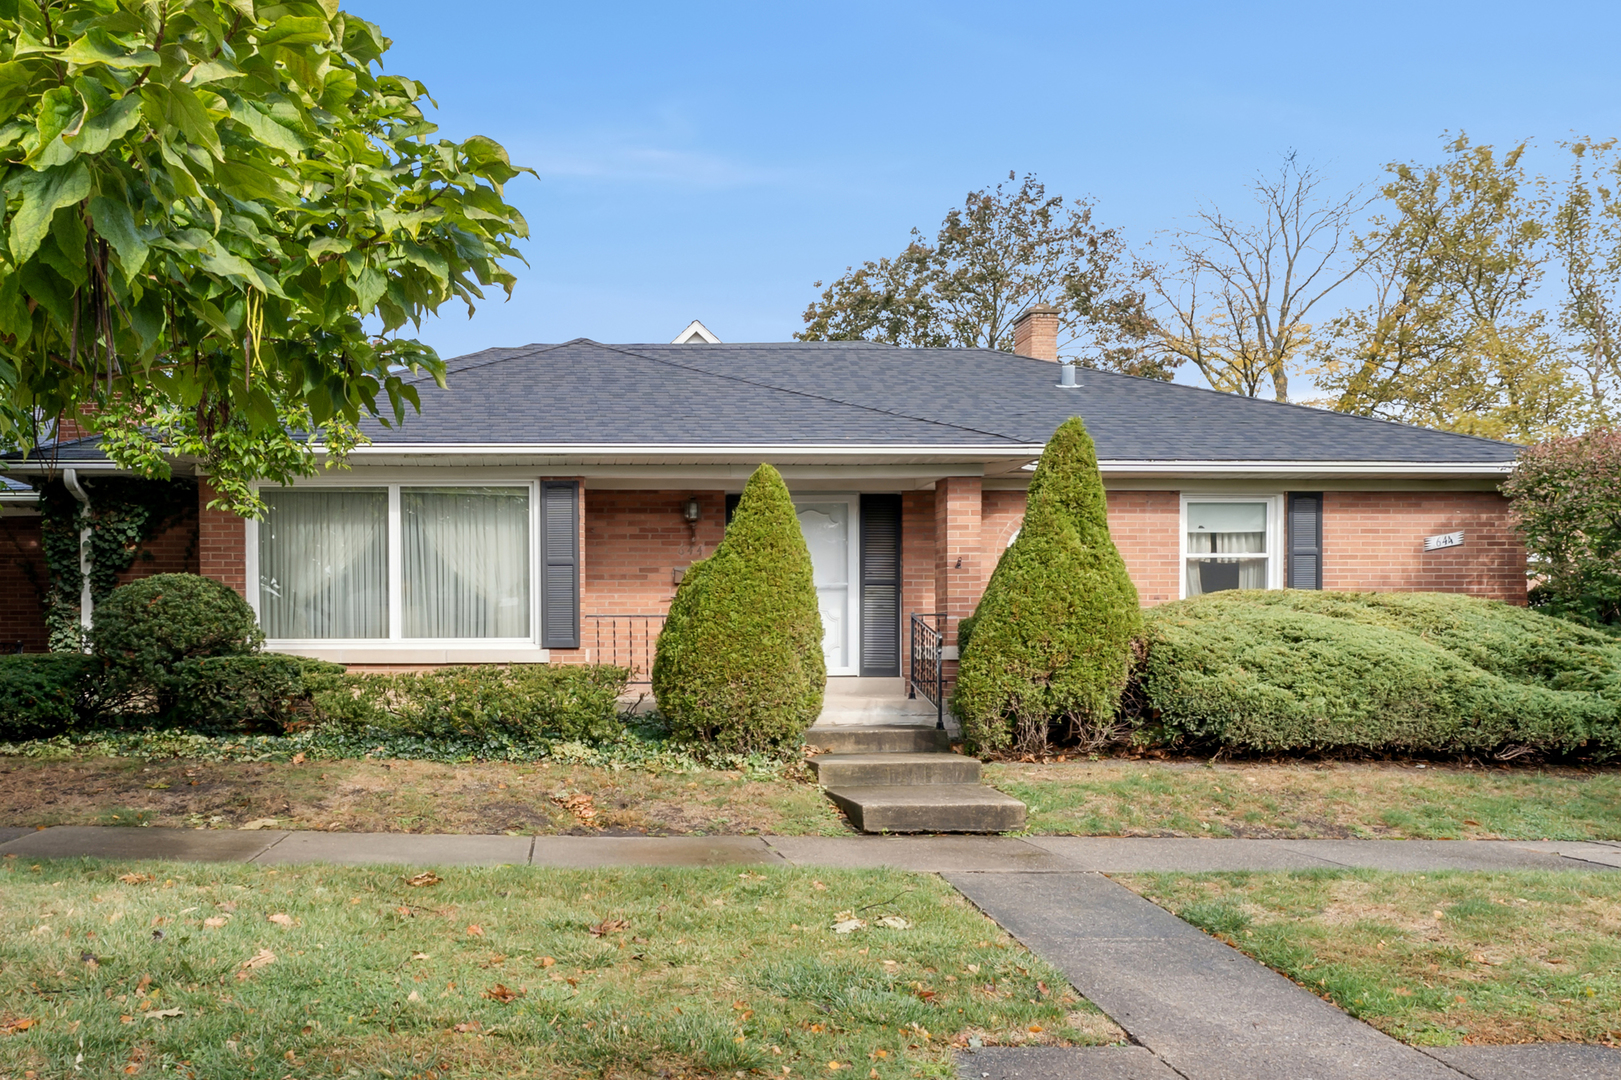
[{"x": 218, "y": 214}]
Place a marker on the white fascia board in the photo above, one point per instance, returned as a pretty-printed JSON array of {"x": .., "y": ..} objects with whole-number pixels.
[
  {"x": 1244, "y": 469},
  {"x": 731, "y": 450}
]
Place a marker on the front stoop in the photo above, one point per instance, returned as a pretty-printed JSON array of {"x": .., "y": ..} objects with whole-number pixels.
[{"x": 900, "y": 778}]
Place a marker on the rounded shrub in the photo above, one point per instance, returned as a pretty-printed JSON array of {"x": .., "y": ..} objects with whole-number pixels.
[
  {"x": 146, "y": 628},
  {"x": 1299, "y": 671},
  {"x": 44, "y": 694},
  {"x": 739, "y": 661},
  {"x": 1050, "y": 641}
]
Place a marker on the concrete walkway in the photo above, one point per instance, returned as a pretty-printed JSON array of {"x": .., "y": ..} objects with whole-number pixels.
[{"x": 932, "y": 854}]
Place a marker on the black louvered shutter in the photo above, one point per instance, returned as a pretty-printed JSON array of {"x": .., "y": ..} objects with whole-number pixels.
[
  {"x": 881, "y": 586},
  {"x": 560, "y": 564},
  {"x": 1305, "y": 540}
]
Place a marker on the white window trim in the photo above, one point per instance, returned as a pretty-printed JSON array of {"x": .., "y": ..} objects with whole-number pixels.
[
  {"x": 1275, "y": 536},
  {"x": 396, "y": 648}
]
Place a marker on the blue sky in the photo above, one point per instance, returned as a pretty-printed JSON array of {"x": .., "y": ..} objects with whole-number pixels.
[{"x": 711, "y": 161}]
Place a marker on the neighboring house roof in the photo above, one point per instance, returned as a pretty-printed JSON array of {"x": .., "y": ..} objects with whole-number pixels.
[{"x": 825, "y": 393}]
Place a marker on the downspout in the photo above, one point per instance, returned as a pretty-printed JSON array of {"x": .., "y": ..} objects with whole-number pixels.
[{"x": 87, "y": 602}]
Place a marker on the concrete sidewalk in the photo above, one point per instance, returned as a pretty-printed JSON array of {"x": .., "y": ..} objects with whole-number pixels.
[{"x": 933, "y": 854}]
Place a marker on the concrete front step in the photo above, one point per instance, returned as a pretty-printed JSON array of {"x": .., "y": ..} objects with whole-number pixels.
[
  {"x": 884, "y": 739},
  {"x": 894, "y": 770},
  {"x": 934, "y": 808}
]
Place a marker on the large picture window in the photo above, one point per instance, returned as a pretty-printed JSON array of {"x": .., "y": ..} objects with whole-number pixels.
[
  {"x": 401, "y": 563},
  {"x": 1229, "y": 544}
]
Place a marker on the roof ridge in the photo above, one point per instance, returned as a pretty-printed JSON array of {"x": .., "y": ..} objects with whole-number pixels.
[
  {"x": 519, "y": 352},
  {"x": 818, "y": 397}
]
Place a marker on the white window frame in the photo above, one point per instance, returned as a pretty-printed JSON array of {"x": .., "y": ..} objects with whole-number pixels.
[
  {"x": 1276, "y": 568},
  {"x": 397, "y": 648}
]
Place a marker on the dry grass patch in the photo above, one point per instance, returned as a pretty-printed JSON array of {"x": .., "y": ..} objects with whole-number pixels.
[
  {"x": 236, "y": 971},
  {"x": 407, "y": 796},
  {"x": 1434, "y": 958},
  {"x": 1121, "y": 797}
]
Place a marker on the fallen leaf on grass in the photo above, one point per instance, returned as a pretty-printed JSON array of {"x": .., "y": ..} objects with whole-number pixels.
[
  {"x": 427, "y": 877},
  {"x": 164, "y": 1014},
  {"x": 258, "y": 823},
  {"x": 546, "y": 961},
  {"x": 466, "y": 1028},
  {"x": 257, "y": 960},
  {"x": 608, "y": 926},
  {"x": 503, "y": 993},
  {"x": 135, "y": 879},
  {"x": 281, "y": 919},
  {"x": 475, "y": 931},
  {"x": 894, "y": 922},
  {"x": 298, "y": 758},
  {"x": 579, "y": 805},
  {"x": 845, "y": 922},
  {"x": 11, "y": 1027},
  {"x": 214, "y": 922}
]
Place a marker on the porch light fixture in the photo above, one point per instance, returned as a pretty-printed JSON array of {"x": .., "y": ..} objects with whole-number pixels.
[{"x": 691, "y": 511}]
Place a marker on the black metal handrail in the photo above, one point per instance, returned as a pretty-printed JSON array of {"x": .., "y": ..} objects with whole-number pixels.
[
  {"x": 627, "y": 641},
  {"x": 927, "y": 672}
]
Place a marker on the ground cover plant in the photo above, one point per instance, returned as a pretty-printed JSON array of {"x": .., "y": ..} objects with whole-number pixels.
[
  {"x": 740, "y": 661},
  {"x": 1301, "y": 671},
  {"x": 1049, "y": 644},
  {"x": 1433, "y": 959},
  {"x": 1384, "y": 800},
  {"x": 308, "y": 971}
]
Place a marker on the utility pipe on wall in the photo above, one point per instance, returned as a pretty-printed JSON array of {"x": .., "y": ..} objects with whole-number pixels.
[{"x": 87, "y": 602}]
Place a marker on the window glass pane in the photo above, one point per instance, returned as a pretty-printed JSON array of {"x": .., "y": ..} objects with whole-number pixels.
[
  {"x": 1226, "y": 528},
  {"x": 466, "y": 562},
  {"x": 323, "y": 564},
  {"x": 1209, "y": 575}
]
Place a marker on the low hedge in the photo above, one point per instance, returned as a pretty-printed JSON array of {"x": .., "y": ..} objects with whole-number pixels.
[
  {"x": 1378, "y": 672},
  {"x": 524, "y": 701},
  {"x": 264, "y": 692},
  {"x": 44, "y": 694}
]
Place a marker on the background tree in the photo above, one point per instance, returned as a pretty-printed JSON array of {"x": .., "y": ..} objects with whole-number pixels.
[
  {"x": 1234, "y": 297},
  {"x": 1587, "y": 235},
  {"x": 1006, "y": 249},
  {"x": 205, "y": 202},
  {"x": 1454, "y": 337}
]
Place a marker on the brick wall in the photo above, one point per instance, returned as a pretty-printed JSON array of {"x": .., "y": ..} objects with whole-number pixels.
[
  {"x": 221, "y": 543},
  {"x": 1374, "y": 540},
  {"x": 1144, "y": 525},
  {"x": 22, "y": 584},
  {"x": 175, "y": 550}
]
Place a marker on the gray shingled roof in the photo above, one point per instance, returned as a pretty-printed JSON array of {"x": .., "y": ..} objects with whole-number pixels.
[{"x": 856, "y": 393}]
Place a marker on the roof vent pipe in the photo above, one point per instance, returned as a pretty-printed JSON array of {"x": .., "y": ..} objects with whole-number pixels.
[
  {"x": 87, "y": 602},
  {"x": 1066, "y": 375}
]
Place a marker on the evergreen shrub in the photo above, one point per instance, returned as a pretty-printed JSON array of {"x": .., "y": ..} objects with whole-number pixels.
[
  {"x": 263, "y": 692},
  {"x": 1297, "y": 671},
  {"x": 740, "y": 660},
  {"x": 44, "y": 694},
  {"x": 1050, "y": 642}
]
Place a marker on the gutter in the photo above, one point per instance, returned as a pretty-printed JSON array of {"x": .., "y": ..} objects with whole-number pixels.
[{"x": 87, "y": 602}]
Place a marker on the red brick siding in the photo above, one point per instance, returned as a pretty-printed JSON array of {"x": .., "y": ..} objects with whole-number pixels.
[
  {"x": 22, "y": 584},
  {"x": 1001, "y": 515},
  {"x": 1145, "y": 527},
  {"x": 917, "y": 554},
  {"x": 1374, "y": 540},
  {"x": 222, "y": 543},
  {"x": 632, "y": 542},
  {"x": 960, "y": 566},
  {"x": 175, "y": 550}
]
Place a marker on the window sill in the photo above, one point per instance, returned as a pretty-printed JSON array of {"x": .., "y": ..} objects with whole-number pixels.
[{"x": 413, "y": 654}]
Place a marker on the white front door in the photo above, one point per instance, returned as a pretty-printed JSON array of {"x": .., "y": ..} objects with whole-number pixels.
[{"x": 832, "y": 524}]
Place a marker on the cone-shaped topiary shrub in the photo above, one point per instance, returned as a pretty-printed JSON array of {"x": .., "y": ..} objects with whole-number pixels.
[
  {"x": 739, "y": 661},
  {"x": 1051, "y": 638}
]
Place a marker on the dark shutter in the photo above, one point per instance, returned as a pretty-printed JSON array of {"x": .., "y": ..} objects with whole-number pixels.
[
  {"x": 881, "y": 586},
  {"x": 1305, "y": 540},
  {"x": 560, "y": 564}
]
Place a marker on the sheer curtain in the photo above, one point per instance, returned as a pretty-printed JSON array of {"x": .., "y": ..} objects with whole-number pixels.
[
  {"x": 1226, "y": 529},
  {"x": 323, "y": 564},
  {"x": 466, "y": 562}
]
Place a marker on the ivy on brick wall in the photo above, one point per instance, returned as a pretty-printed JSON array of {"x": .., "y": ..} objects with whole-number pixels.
[{"x": 124, "y": 514}]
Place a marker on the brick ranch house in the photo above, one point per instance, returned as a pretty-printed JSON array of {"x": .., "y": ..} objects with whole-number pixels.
[{"x": 545, "y": 506}]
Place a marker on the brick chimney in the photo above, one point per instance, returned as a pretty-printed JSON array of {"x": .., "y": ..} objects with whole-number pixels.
[{"x": 1035, "y": 333}]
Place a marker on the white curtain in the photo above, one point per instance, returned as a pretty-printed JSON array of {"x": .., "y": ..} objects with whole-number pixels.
[
  {"x": 1230, "y": 529},
  {"x": 323, "y": 564},
  {"x": 466, "y": 562}
]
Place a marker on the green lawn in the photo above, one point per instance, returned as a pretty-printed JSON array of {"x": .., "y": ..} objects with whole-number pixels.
[
  {"x": 1120, "y": 797},
  {"x": 232, "y": 971},
  {"x": 1433, "y": 959}
]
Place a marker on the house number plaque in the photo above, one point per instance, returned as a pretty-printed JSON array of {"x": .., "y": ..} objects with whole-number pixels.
[{"x": 1445, "y": 540}]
